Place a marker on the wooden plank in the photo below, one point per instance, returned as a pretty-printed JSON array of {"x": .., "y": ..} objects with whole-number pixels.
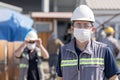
[
  {"x": 3, "y": 43},
  {"x": 3, "y": 71},
  {"x": 13, "y": 69},
  {"x": 44, "y": 36},
  {"x": 16, "y": 61},
  {"x": 10, "y": 69}
]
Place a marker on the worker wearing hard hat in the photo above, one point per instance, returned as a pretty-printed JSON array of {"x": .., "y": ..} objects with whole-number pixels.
[
  {"x": 84, "y": 58},
  {"x": 30, "y": 53},
  {"x": 109, "y": 30},
  {"x": 111, "y": 41}
]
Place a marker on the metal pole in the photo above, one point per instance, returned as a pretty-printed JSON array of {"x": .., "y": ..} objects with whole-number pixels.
[
  {"x": 45, "y": 5},
  {"x": 55, "y": 27},
  {"x": 6, "y": 63},
  {"x": 109, "y": 20},
  {"x": 55, "y": 7}
]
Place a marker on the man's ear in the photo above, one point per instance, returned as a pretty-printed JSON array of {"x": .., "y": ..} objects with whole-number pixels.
[
  {"x": 92, "y": 29},
  {"x": 72, "y": 29}
]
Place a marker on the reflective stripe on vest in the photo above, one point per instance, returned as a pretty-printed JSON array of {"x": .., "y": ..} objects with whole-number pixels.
[
  {"x": 83, "y": 61},
  {"x": 95, "y": 61},
  {"x": 25, "y": 55},
  {"x": 23, "y": 65},
  {"x": 39, "y": 54},
  {"x": 68, "y": 63}
]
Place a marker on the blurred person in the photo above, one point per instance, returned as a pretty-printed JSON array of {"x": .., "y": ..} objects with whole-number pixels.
[
  {"x": 101, "y": 34},
  {"x": 67, "y": 38},
  {"x": 52, "y": 47},
  {"x": 111, "y": 41},
  {"x": 30, "y": 53},
  {"x": 68, "y": 34},
  {"x": 84, "y": 58}
]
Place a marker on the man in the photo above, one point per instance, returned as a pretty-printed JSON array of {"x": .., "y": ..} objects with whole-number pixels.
[
  {"x": 84, "y": 58},
  {"x": 30, "y": 53},
  {"x": 111, "y": 41},
  {"x": 52, "y": 47}
]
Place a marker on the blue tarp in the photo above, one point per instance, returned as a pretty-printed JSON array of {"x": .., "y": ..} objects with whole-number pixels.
[{"x": 13, "y": 25}]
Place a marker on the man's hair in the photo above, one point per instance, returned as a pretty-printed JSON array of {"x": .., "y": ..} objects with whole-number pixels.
[{"x": 108, "y": 34}]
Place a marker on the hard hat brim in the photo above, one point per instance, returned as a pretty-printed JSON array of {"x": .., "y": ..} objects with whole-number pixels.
[
  {"x": 33, "y": 39},
  {"x": 83, "y": 19}
]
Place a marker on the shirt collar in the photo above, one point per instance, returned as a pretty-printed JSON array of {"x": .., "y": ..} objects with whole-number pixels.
[
  {"x": 89, "y": 49},
  {"x": 71, "y": 46}
]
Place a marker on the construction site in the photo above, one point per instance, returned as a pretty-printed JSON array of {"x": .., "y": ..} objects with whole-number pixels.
[{"x": 17, "y": 18}]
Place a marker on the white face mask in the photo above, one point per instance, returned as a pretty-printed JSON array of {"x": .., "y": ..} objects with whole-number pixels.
[
  {"x": 31, "y": 46},
  {"x": 82, "y": 35}
]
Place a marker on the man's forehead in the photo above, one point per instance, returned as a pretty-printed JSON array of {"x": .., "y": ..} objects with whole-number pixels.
[{"x": 79, "y": 21}]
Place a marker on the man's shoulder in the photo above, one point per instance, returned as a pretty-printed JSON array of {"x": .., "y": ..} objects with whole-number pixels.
[
  {"x": 113, "y": 40},
  {"x": 25, "y": 50},
  {"x": 37, "y": 49},
  {"x": 99, "y": 43},
  {"x": 68, "y": 44}
]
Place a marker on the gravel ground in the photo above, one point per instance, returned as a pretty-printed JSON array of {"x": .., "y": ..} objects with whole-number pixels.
[{"x": 46, "y": 69}]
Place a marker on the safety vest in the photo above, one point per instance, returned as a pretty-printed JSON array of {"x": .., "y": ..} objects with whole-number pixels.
[
  {"x": 24, "y": 65},
  {"x": 89, "y": 65}
]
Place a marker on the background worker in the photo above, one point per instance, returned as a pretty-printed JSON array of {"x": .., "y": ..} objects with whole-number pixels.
[
  {"x": 84, "y": 58},
  {"x": 53, "y": 46},
  {"x": 30, "y": 53},
  {"x": 68, "y": 34},
  {"x": 111, "y": 41}
]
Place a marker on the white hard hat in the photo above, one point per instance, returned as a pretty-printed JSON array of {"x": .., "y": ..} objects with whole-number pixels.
[
  {"x": 83, "y": 12},
  {"x": 32, "y": 35}
]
